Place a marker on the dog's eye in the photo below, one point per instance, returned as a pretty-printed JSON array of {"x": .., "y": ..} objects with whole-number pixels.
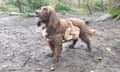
[{"x": 45, "y": 9}]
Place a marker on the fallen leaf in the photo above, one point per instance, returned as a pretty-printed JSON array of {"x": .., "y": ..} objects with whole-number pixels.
[
  {"x": 52, "y": 69},
  {"x": 100, "y": 58},
  {"x": 109, "y": 50},
  {"x": 91, "y": 71}
]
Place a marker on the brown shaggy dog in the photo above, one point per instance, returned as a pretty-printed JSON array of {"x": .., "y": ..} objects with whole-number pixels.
[{"x": 56, "y": 28}]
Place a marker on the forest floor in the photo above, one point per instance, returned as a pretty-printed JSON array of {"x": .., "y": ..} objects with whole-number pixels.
[{"x": 23, "y": 49}]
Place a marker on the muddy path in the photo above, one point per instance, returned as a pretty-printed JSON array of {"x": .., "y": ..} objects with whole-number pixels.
[{"x": 23, "y": 49}]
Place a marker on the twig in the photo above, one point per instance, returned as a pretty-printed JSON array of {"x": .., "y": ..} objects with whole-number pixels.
[{"x": 26, "y": 61}]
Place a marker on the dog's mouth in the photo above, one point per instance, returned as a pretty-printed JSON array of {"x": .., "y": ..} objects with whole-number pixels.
[
  {"x": 38, "y": 21},
  {"x": 38, "y": 24}
]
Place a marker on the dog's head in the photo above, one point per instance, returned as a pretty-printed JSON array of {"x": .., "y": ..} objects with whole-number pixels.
[{"x": 45, "y": 15}]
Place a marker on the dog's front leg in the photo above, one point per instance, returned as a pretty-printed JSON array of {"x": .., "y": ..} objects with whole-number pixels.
[
  {"x": 51, "y": 45},
  {"x": 57, "y": 47}
]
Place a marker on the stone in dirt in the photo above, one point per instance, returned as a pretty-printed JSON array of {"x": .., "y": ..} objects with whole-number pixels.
[{"x": 104, "y": 17}]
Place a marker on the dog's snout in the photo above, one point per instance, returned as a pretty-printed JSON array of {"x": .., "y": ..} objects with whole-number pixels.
[{"x": 37, "y": 12}]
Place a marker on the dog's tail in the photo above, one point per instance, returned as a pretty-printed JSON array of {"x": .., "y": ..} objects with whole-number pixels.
[{"x": 92, "y": 32}]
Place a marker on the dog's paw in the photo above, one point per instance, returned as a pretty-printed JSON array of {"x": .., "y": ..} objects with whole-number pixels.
[
  {"x": 71, "y": 47},
  {"x": 50, "y": 55},
  {"x": 55, "y": 60}
]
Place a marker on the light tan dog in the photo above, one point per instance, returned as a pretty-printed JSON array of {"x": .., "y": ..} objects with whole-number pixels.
[{"x": 72, "y": 32}]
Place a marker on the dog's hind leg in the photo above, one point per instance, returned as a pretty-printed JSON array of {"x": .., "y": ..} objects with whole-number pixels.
[
  {"x": 73, "y": 44},
  {"x": 84, "y": 37}
]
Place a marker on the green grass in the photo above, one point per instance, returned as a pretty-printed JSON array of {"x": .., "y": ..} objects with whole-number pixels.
[
  {"x": 114, "y": 11},
  {"x": 61, "y": 7},
  {"x": 82, "y": 10},
  {"x": 9, "y": 8}
]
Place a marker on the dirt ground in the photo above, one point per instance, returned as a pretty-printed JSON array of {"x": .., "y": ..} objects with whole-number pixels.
[{"x": 23, "y": 49}]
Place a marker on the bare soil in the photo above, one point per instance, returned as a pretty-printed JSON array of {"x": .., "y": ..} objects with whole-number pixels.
[{"x": 23, "y": 49}]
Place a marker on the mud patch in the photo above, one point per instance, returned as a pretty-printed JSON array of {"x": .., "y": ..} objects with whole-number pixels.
[{"x": 23, "y": 49}]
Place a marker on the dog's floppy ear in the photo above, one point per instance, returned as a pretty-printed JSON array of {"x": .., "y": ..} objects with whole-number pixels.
[{"x": 53, "y": 19}]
